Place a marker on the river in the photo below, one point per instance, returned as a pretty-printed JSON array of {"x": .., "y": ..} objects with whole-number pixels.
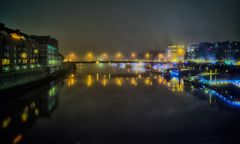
[{"x": 117, "y": 103}]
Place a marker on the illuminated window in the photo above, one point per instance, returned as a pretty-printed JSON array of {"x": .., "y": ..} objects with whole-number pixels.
[
  {"x": 24, "y": 61},
  {"x": 24, "y": 55},
  {"x": 5, "y": 68},
  {"x": 35, "y": 51},
  {"x": 17, "y": 37},
  {"x": 5, "y": 61}
]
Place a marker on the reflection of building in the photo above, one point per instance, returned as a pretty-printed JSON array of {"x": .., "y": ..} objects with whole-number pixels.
[
  {"x": 25, "y": 58},
  {"x": 176, "y": 53},
  {"x": 49, "y": 52},
  {"x": 18, "y": 51},
  {"x": 19, "y": 115}
]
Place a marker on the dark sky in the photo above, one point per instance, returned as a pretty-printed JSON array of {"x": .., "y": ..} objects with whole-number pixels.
[{"x": 124, "y": 25}]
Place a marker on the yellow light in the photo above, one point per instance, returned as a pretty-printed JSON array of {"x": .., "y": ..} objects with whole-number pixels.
[
  {"x": 133, "y": 55},
  {"x": 24, "y": 117},
  {"x": 97, "y": 77},
  {"x": 160, "y": 56},
  {"x": 118, "y": 56},
  {"x": 119, "y": 81},
  {"x": 147, "y": 55},
  {"x": 104, "y": 81},
  {"x": 17, "y": 37},
  {"x": 24, "y": 55},
  {"x": 71, "y": 81},
  {"x": 5, "y": 61},
  {"x": 89, "y": 56},
  {"x": 133, "y": 82},
  {"x": 35, "y": 51},
  {"x": 97, "y": 62},
  {"x": 89, "y": 81},
  {"x": 147, "y": 81},
  {"x": 104, "y": 56},
  {"x": 6, "y": 122},
  {"x": 180, "y": 52}
]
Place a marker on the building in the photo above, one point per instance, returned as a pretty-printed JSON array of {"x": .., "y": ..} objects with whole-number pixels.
[
  {"x": 226, "y": 52},
  {"x": 49, "y": 52},
  {"x": 192, "y": 51},
  {"x": 18, "y": 51},
  {"x": 176, "y": 53}
]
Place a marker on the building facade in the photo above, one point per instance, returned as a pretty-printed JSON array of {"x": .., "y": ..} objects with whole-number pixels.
[
  {"x": 225, "y": 52},
  {"x": 18, "y": 51},
  {"x": 175, "y": 53},
  {"x": 49, "y": 52}
]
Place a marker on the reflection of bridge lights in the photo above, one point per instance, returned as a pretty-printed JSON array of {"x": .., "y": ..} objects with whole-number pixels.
[
  {"x": 133, "y": 81},
  {"x": 71, "y": 82},
  {"x": 147, "y": 81},
  {"x": 89, "y": 81},
  {"x": 104, "y": 81},
  {"x": 97, "y": 77},
  {"x": 119, "y": 81},
  {"x": 160, "y": 80},
  {"x": 176, "y": 85}
]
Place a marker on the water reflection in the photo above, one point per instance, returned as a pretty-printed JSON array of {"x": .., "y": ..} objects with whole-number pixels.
[
  {"x": 20, "y": 114},
  {"x": 214, "y": 96},
  {"x": 173, "y": 84},
  {"x": 90, "y": 80}
]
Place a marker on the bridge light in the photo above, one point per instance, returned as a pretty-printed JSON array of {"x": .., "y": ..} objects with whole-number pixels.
[
  {"x": 105, "y": 56},
  {"x": 133, "y": 55},
  {"x": 89, "y": 56},
  {"x": 147, "y": 55},
  {"x": 118, "y": 56}
]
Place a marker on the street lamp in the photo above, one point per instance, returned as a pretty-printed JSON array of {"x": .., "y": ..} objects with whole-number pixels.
[
  {"x": 118, "y": 56},
  {"x": 89, "y": 56},
  {"x": 147, "y": 55}
]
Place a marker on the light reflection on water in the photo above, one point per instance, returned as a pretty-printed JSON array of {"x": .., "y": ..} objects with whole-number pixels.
[
  {"x": 41, "y": 103},
  {"x": 174, "y": 84}
]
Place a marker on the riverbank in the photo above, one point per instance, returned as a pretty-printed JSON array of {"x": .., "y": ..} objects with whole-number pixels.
[{"x": 23, "y": 81}]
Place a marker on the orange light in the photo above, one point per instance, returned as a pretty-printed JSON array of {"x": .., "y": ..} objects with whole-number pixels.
[
  {"x": 17, "y": 37},
  {"x": 133, "y": 55},
  {"x": 17, "y": 139},
  {"x": 147, "y": 55}
]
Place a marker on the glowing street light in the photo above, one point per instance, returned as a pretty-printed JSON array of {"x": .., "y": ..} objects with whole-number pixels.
[
  {"x": 89, "y": 56},
  {"x": 160, "y": 56},
  {"x": 147, "y": 55},
  {"x": 105, "y": 56},
  {"x": 133, "y": 55},
  {"x": 70, "y": 57},
  {"x": 119, "y": 56}
]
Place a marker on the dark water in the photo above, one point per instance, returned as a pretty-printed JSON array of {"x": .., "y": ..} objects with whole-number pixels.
[{"x": 117, "y": 104}]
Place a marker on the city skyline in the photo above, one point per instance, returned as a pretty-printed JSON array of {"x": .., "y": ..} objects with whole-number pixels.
[{"x": 111, "y": 26}]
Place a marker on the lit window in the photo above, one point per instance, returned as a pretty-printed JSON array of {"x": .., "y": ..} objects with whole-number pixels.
[
  {"x": 24, "y": 61},
  {"x": 5, "y": 61}
]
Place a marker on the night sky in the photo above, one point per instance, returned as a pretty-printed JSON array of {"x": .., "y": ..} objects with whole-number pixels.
[{"x": 124, "y": 25}]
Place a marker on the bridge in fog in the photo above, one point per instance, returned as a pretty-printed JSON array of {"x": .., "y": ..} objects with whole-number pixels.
[{"x": 120, "y": 61}]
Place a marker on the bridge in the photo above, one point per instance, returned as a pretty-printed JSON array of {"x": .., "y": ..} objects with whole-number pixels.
[{"x": 121, "y": 61}]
